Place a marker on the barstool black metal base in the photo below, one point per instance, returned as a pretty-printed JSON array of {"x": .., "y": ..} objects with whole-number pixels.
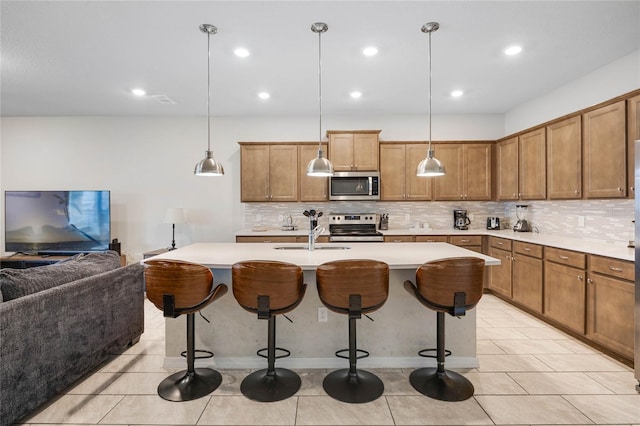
[
  {"x": 359, "y": 388},
  {"x": 443, "y": 386},
  {"x": 185, "y": 386},
  {"x": 265, "y": 387}
]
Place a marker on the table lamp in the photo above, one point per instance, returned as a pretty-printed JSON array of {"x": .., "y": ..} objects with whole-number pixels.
[{"x": 173, "y": 216}]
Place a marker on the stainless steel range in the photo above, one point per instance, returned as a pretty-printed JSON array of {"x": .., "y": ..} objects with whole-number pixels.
[{"x": 353, "y": 227}]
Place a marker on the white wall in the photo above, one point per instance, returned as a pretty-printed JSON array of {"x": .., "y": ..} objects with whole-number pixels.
[
  {"x": 147, "y": 163},
  {"x": 614, "y": 79}
]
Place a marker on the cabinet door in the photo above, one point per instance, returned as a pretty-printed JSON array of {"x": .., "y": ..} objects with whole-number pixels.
[
  {"x": 365, "y": 151},
  {"x": 527, "y": 282},
  {"x": 254, "y": 173},
  {"x": 392, "y": 172},
  {"x": 283, "y": 173},
  {"x": 500, "y": 276},
  {"x": 477, "y": 172},
  {"x": 418, "y": 188},
  {"x": 604, "y": 139},
  {"x": 507, "y": 169},
  {"x": 610, "y": 313},
  {"x": 565, "y": 295},
  {"x": 564, "y": 159},
  {"x": 312, "y": 188},
  {"x": 633, "y": 134},
  {"x": 341, "y": 151},
  {"x": 532, "y": 165},
  {"x": 450, "y": 186}
]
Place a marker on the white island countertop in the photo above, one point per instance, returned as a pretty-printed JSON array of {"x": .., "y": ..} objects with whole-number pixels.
[{"x": 397, "y": 256}]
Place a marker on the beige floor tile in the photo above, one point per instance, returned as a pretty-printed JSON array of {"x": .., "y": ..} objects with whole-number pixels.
[
  {"x": 139, "y": 363},
  {"x": 559, "y": 383},
  {"x": 526, "y": 409},
  {"x": 397, "y": 383},
  {"x": 422, "y": 410},
  {"x": 506, "y": 363},
  {"x": 577, "y": 347},
  {"x": 312, "y": 382},
  {"x": 136, "y": 384},
  {"x": 231, "y": 380},
  {"x": 76, "y": 409},
  {"x": 494, "y": 384},
  {"x": 147, "y": 347},
  {"x": 153, "y": 410},
  {"x": 544, "y": 333},
  {"x": 153, "y": 334},
  {"x": 620, "y": 382},
  {"x": 481, "y": 322},
  {"x": 604, "y": 409},
  {"x": 580, "y": 362},
  {"x": 532, "y": 347},
  {"x": 239, "y": 410},
  {"x": 516, "y": 322},
  {"x": 492, "y": 333},
  {"x": 313, "y": 410},
  {"x": 93, "y": 384},
  {"x": 488, "y": 347}
]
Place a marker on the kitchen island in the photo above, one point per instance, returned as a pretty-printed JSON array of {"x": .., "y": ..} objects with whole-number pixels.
[{"x": 401, "y": 328}]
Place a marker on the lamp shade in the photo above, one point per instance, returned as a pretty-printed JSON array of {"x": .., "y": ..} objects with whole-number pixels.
[
  {"x": 208, "y": 166},
  {"x": 430, "y": 166},
  {"x": 320, "y": 166},
  {"x": 174, "y": 215}
]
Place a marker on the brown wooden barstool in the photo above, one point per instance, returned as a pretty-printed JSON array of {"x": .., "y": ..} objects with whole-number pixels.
[
  {"x": 269, "y": 288},
  {"x": 353, "y": 287},
  {"x": 450, "y": 286},
  {"x": 183, "y": 288}
]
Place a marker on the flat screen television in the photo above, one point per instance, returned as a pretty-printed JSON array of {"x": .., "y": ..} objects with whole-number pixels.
[{"x": 57, "y": 222}]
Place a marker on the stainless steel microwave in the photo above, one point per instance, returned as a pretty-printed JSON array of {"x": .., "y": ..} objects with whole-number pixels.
[{"x": 354, "y": 186}]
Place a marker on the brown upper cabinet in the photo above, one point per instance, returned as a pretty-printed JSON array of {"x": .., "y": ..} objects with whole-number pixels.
[
  {"x": 269, "y": 172},
  {"x": 353, "y": 150},
  {"x": 312, "y": 188},
  {"x": 468, "y": 167},
  {"x": 398, "y": 166},
  {"x": 564, "y": 159},
  {"x": 521, "y": 167},
  {"x": 605, "y": 148},
  {"x": 633, "y": 134}
]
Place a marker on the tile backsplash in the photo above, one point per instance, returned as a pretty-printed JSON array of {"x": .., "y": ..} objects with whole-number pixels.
[{"x": 608, "y": 220}]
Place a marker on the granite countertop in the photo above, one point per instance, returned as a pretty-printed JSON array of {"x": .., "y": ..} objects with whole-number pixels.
[{"x": 590, "y": 246}]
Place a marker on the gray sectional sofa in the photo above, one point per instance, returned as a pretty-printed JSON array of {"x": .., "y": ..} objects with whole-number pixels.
[{"x": 61, "y": 321}]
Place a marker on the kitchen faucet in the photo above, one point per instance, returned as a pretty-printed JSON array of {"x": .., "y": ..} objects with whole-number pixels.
[{"x": 313, "y": 236}]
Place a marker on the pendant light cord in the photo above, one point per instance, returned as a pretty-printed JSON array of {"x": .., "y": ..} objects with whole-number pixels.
[
  {"x": 208, "y": 91},
  {"x": 320, "y": 88},
  {"x": 429, "y": 55}
]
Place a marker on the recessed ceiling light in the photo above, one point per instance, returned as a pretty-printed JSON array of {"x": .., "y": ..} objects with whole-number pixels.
[
  {"x": 241, "y": 52},
  {"x": 264, "y": 95},
  {"x": 356, "y": 94},
  {"x": 138, "y": 92},
  {"x": 370, "y": 51},
  {"x": 457, "y": 93},
  {"x": 512, "y": 50}
]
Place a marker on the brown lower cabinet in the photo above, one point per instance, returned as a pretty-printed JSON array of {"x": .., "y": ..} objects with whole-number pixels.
[
  {"x": 565, "y": 295},
  {"x": 527, "y": 275},
  {"x": 500, "y": 276}
]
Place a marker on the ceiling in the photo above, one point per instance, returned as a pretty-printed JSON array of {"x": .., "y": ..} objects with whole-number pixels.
[{"x": 76, "y": 58}]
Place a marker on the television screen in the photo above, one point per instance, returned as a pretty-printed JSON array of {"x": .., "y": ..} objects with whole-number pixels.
[{"x": 57, "y": 222}]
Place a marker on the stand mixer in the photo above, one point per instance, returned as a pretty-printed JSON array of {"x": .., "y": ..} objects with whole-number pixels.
[{"x": 521, "y": 213}]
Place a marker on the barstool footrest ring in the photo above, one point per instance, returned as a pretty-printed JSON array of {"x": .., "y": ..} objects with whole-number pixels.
[
  {"x": 207, "y": 354},
  {"x": 261, "y": 353},
  {"x": 362, "y": 352},
  {"x": 423, "y": 353}
]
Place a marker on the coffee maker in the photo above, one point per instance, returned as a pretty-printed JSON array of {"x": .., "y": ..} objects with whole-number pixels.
[{"x": 460, "y": 219}]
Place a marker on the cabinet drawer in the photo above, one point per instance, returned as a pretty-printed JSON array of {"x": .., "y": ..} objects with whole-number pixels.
[
  {"x": 431, "y": 238},
  {"x": 527, "y": 249},
  {"x": 501, "y": 243},
  {"x": 465, "y": 240},
  {"x": 614, "y": 267},
  {"x": 398, "y": 239},
  {"x": 565, "y": 257}
]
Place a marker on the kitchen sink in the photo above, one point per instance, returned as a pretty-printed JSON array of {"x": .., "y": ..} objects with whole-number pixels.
[{"x": 307, "y": 248}]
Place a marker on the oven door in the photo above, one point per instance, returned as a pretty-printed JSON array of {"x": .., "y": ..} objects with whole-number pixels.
[{"x": 354, "y": 186}]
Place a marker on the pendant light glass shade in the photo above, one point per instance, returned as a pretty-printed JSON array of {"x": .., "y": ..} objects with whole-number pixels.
[
  {"x": 208, "y": 166},
  {"x": 430, "y": 166},
  {"x": 320, "y": 166}
]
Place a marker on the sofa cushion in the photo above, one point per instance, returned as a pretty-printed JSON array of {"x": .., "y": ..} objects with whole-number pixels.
[{"x": 15, "y": 283}]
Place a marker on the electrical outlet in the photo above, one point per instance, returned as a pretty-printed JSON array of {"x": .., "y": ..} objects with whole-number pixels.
[
  {"x": 323, "y": 314},
  {"x": 407, "y": 217},
  {"x": 581, "y": 221},
  {"x": 471, "y": 216},
  {"x": 280, "y": 218},
  {"x": 258, "y": 217}
]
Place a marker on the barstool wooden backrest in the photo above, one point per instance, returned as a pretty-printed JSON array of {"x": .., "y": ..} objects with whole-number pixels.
[
  {"x": 439, "y": 281},
  {"x": 338, "y": 279},
  {"x": 281, "y": 281},
  {"x": 190, "y": 284}
]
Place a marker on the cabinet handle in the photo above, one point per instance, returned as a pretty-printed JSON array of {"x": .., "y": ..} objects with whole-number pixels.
[
  {"x": 526, "y": 249},
  {"x": 464, "y": 241},
  {"x": 580, "y": 278},
  {"x": 499, "y": 243},
  {"x": 619, "y": 189},
  {"x": 613, "y": 268},
  {"x": 589, "y": 281},
  {"x": 564, "y": 257}
]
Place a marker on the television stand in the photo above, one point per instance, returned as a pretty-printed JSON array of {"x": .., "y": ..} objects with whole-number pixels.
[{"x": 23, "y": 261}]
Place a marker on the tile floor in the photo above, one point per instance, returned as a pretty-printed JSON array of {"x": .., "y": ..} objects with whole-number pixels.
[{"x": 529, "y": 373}]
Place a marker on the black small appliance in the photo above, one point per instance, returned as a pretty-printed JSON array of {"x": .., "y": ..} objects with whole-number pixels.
[{"x": 461, "y": 220}]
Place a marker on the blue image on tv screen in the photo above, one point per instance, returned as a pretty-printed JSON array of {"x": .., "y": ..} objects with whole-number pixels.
[{"x": 57, "y": 221}]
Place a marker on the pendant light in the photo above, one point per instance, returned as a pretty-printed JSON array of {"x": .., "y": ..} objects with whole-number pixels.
[
  {"x": 208, "y": 166},
  {"x": 430, "y": 166},
  {"x": 320, "y": 166}
]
